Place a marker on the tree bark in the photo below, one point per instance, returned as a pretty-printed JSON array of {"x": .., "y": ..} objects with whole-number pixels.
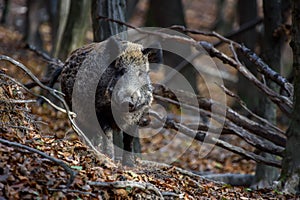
[
  {"x": 5, "y": 11},
  {"x": 265, "y": 175},
  {"x": 63, "y": 8},
  {"x": 290, "y": 175},
  {"x": 247, "y": 12},
  {"x": 113, "y": 9}
]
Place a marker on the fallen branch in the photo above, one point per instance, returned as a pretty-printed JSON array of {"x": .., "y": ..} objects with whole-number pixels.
[
  {"x": 55, "y": 160},
  {"x": 232, "y": 128},
  {"x": 124, "y": 184},
  {"x": 18, "y": 101},
  {"x": 66, "y": 191},
  {"x": 201, "y": 135},
  {"x": 266, "y": 70},
  {"x": 244, "y": 180},
  {"x": 284, "y": 103},
  {"x": 274, "y": 136}
]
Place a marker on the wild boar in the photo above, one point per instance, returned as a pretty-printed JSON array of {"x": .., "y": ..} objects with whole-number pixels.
[{"x": 124, "y": 90}]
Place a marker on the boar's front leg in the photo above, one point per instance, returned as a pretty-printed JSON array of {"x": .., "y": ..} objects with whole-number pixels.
[
  {"x": 128, "y": 155},
  {"x": 108, "y": 142}
]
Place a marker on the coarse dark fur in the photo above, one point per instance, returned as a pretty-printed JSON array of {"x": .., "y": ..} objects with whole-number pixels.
[{"x": 124, "y": 90}]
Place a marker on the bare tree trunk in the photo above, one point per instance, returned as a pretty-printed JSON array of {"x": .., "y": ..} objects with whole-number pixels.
[
  {"x": 290, "y": 175},
  {"x": 265, "y": 175},
  {"x": 63, "y": 8},
  {"x": 33, "y": 22},
  {"x": 68, "y": 29},
  {"x": 114, "y": 9},
  {"x": 76, "y": 27},
  {"x": 5, "y": 11},
  {"x": 247, "y": 12}
]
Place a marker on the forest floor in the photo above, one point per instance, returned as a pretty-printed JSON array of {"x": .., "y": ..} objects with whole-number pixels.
[{"x": 26, "y": 175}]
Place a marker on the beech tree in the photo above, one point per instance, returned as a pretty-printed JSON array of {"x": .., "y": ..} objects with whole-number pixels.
[
  {"x": 290, "y": 175},
  {"x": 271, "y": 53}
]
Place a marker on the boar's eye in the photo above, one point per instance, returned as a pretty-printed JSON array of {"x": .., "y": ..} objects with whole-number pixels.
[
  {"x": 140, "y": 73},
  {"x": 120, "y": 72}
]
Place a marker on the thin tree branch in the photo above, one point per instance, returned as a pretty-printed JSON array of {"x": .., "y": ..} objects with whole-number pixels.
[
  {"x": 30, "y": 74},
  {"x": 54, "y": 61},
  {"x": 37, "y": 95},
  {"x": 66, "y": 191},
  {"x": 245, "y": 27}
]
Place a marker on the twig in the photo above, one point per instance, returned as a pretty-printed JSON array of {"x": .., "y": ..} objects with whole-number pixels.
[
  {"x": 19, "y": 127},
  {"x": 74, "y": 191},
  {"x": 116, "y": 21},
  {"x": 125, "y": 184},
  {"x": 30, "y": 74},
  {"x": 54, "y": 61},
  {"x": 172, "y": 194},
  {"x": 243, "y": 28},
  {"x": 147, "y": 163},
  {"x": 17, "y": 101},
  {"x": 55, "y": 160},
  {"x": 37, "y": 95}
]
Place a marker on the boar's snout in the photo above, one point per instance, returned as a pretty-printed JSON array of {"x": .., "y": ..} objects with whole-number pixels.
[{"x": 129, "y": 101}]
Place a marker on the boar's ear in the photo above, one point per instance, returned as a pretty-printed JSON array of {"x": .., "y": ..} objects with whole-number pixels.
[{"x": 154, "y": 54}]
